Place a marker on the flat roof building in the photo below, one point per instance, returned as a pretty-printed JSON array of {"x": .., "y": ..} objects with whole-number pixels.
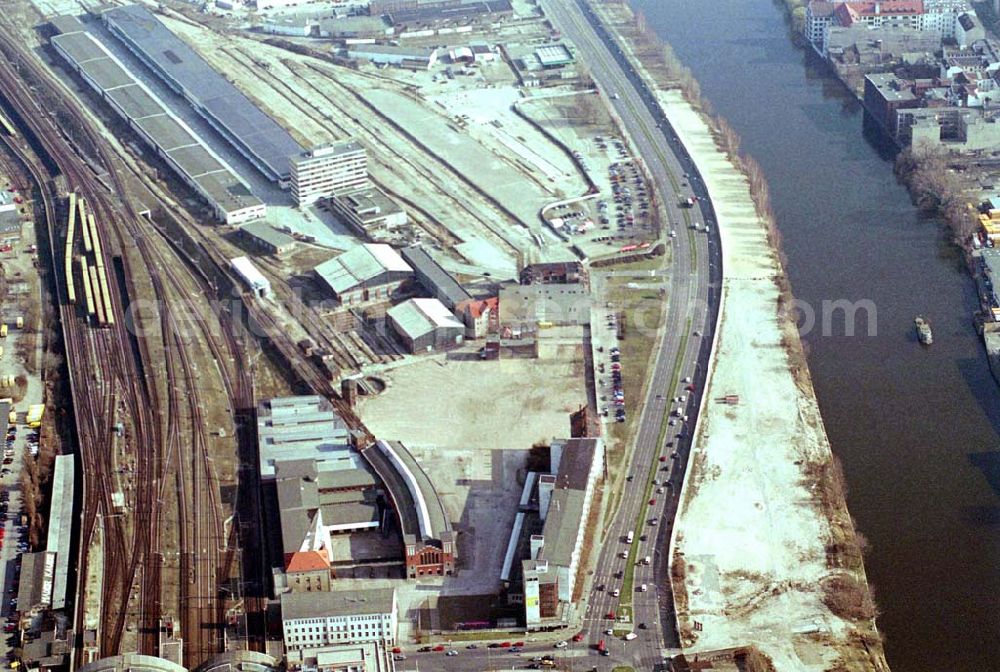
[
  {"x": 169, "y": 136},
  {"x": 425, "y": 325},
  {"x": 301, "y": 428},
  {"x": 370, "y": 213},
  {"x": 251, "y": 132},
  {"x": 554, "y": 55},
  {"x": 524, "y": 307},
  {"x": 368, "y": 272},
  {"x": 317, "y": 620},
  {"x": 328, "y": 170},
  {"x": 61, "y": 526}
]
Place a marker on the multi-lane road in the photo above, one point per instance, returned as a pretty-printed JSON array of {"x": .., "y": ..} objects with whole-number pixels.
[{"x": 693, "y": 291}]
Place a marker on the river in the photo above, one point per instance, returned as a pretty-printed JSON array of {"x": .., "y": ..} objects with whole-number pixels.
[{"x": 916, "y": 428}]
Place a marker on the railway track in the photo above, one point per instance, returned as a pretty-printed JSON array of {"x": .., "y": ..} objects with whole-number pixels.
[{"x": 116, "y": 385}]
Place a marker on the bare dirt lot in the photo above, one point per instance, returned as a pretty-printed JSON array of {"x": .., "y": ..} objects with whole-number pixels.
[{"x": 470, "y": 423}]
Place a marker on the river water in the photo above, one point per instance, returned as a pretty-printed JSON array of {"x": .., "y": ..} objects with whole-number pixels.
[{"x": 916, "y": 428}]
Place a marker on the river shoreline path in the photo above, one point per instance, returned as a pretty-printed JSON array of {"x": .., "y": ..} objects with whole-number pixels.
[{"x": 755, "y": 547}]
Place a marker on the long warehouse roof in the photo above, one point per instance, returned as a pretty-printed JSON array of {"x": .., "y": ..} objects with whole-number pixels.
[
  {"x": 146, "y": 113},
  {"x": 210, "y": 92}
]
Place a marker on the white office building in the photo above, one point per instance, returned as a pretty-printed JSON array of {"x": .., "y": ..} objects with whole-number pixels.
[
  {"x": 320, "y": 619},
  {"x": 328, "y": 170}
]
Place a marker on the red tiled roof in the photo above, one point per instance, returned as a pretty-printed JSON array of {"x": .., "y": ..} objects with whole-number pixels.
[
  {"x": 849, "y": 12},
  {"x": 477, "y": 307},
  {"x": 308, "y": 561}
]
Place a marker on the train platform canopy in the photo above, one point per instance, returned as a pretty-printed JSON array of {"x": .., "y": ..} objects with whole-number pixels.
[{"x": 244, "y": 124}]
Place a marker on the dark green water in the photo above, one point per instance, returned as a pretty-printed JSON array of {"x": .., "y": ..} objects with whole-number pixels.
[{"x": 916, "y": 428}]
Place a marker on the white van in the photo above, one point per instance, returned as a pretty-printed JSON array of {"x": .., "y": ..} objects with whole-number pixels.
[
  {"x": 643, "y": 588},
  {"x": 630, "y": 636}
]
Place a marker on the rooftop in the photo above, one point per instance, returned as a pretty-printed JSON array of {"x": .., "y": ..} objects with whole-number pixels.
[
  {"x": 576, "y": 459},
  {"x": 66, "y": 24},
  {"x": 60, "y": 526},
  {"x": 418, "y": 317},
  {"x": 892, "y": 88},
  {"x": 553, "y": 54},
  {"x": 209, "y": 90},
  {"x": 267, "y": 233},
  {"x": 305, "y": 427},
  {"x": 324, "y": 604},
  {"x": 330, "y": 149},
  {"x": 562, "y": 526},
  {"x": 132, "y": 662},
  {"x": 417, "y": 502},
  {"x": 443, "y": 282},
  {"x": 359, "y": 265},
  {"x": 368, "y": 203},
  {"x": 555, "y": 303}
]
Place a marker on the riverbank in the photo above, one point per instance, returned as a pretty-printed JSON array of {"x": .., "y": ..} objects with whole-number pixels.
[{"x": 764, "y": 549}]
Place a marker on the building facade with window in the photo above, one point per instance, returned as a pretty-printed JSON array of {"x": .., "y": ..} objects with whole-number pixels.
[{"x": 320, "y": 619}]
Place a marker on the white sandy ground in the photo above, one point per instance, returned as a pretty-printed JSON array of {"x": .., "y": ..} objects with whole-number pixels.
[{"x": 752, "y": 537}]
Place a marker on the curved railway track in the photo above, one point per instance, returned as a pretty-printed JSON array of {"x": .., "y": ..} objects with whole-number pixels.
[{"x": 116, "y": 385}]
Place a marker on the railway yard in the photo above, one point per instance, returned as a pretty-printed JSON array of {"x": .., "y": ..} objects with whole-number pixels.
[{"x": 501, "y": 166}]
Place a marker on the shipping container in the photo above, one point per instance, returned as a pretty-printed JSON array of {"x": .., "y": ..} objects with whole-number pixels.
[
  {"x": 19, "y": 322},
  {"x": 35, "y": 413},
  {"x": 3, "y": 331}
]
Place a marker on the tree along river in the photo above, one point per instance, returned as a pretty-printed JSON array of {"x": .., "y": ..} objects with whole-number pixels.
[{"x": 915, "y": 427}]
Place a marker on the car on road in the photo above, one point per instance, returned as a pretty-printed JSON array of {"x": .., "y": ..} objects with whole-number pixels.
[
  {"x": 615, "y": 592},
  {"x": 663, "y": 458},
  {"x": 578, "y": 637},
  {"x": 494, "y": 645},
  {"x": 659, "y": 490},
  {"x": 439, "y": 648},
  {"x": 472, "y": 646},
  {"x": 560, "y": 645},
  {"x": 515, "y": 649},
  {"x": 505, "y": 645},
  {"x": 652, "y": 502},
  {"x": 452, "y": 652},
  {"x": 398, "y": 656},
  {"x": 518, "y": 643},
  {"x": 630, "y": 636}
]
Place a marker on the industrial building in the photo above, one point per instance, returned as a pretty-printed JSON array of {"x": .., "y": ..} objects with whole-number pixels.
[
  {"x": 425, "y": 325},
  {"x": 555, "y": 273},
  {"x": 314, "y": 503},
  {"x": 433, "y": 278},
  {"x": 172, "y": 140},
  {"x": 251, "y": 132},
  {"x": 371, "y": 272},
  {"x": 428, "y": 538},
  {"x": 384, "y": 54},
  {"x": 328, "y": 170},
  {"x": 266, "y": 238},
  {"x": 61, "y": 526},
  {"x": 44, "y": 575},
  {"x": 422, "y": 12},
  {"x": 301, "y": 428},
  {"x": 370, "y": 213},
  {"x": 553, "y": 56},
  {"x": 253, "y": 278}
]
